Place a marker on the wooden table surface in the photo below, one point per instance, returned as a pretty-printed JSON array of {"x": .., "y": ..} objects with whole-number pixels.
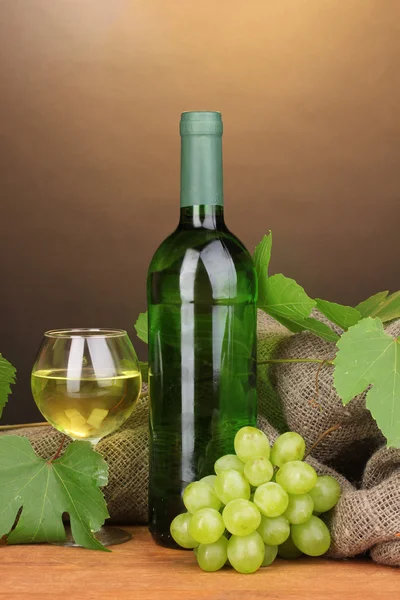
[{"x": 141, "y": 570}]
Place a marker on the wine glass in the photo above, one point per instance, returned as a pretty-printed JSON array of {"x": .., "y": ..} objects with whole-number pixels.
[{"x": 86, "y": 383}]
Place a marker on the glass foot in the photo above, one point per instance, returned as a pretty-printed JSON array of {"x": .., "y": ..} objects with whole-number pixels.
[{"x": 108, "y": 536}]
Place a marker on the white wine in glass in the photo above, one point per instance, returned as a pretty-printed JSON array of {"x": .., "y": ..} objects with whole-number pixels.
[
  {"x": 86, "y": 383},
  {"x": 85, "y": 408}
]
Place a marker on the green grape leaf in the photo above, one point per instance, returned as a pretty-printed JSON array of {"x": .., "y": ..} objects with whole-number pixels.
[
  {"x": 368, "y": 307},
  {"x": 343, "y": 316},
  {"x": 382, "y": 305},
  {"x": 286, "y": 299},
  {"x": 310, "y": 324},
  {"x": 141, "y": 327},
  {"x": 287, "y": 302},
  {"x": 45, "y": 489},
  {"x": 262, "y": 254},
  {"x": 7, "y": 378},
  {"x": 367, "y": 355},
  {"x": 389, "y": 309},
  {"x": 144, "y": 369},
  {"x": 320, "y": 329},
  {"x": 262, "y": 257}
]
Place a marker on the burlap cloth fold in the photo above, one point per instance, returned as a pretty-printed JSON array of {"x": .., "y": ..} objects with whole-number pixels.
[{"x": 367, "y": 516}]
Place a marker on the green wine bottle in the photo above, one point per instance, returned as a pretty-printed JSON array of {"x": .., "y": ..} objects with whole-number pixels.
[{"x": 202, "y": 293}]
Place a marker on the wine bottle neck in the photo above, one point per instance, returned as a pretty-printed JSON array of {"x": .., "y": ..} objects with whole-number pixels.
[
  {"x": 201, "y": 159},
  {"x": 202, "y": 216}
]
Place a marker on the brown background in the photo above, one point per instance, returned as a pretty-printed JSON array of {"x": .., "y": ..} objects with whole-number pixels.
[{"x": 91, "y": 92}]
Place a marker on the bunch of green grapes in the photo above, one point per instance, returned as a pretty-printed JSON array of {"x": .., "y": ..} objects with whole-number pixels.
[{"x": 261, "y": 503}]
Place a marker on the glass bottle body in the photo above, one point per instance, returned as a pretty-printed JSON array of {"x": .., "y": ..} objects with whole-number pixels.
[{"x": 202, "y": 356}]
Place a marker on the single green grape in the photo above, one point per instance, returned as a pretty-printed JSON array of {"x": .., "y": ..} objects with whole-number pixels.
[
  {"x": 288, "y": 550},
  {"x": 258, "y": 470},
  {"x": 312, "y": 538},
  {"x": 325, "y": 493},
  {"x": 180, "y": 531},
  {"x": 287, "y": 447},
  {"x": 246, "y": 553},
  {"x": 271, "y": 499},
  {"x": 241, "y": 517},
  {"x": 212, "y": 557},
  {"x": 274, "y": 530},
  {"x": 300, "y": 509},
  {"x": 231, "y": 485},
  {"x": 250, "y": 442},
  {"x": 270, "y": 553},
  {"x": 296, "y": 477},
  {"x": 206, "y": 526},
  {"x": 228, "y": 462},
  {"x": 210, "y": 479},
  {"x": 199, "y": 495}
]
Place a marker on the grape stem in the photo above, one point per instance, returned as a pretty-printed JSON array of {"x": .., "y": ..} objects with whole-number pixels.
[
  {"x": 278, "y": 361},
  {"x": 314, "y": 401},
  {"x": 23, "y": 425},
  {"x": 324, "y": 362},
  {"x": 322, "y": 436},
  {"x": 57, "y": 454}
]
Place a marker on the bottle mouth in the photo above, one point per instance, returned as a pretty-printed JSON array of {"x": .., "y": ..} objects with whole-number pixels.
[
  {"x": 85, "y": 332},
  {"x": 201, "y": 123},
  {"x": 201, "y": 115}
]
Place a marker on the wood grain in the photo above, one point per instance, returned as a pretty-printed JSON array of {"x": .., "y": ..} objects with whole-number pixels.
[{"x": 141, "y": 570}]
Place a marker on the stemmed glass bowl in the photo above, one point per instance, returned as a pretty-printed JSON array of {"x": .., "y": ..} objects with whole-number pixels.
[{"x": 86, "y": 383}]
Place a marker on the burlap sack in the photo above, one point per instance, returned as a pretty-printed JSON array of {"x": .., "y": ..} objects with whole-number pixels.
[
  {"x": 368, "y": 513},
  {"x": 369, "y": 518}
]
